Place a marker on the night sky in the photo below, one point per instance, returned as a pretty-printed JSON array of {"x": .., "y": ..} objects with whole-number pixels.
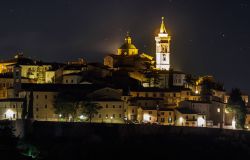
[{"x": 208, "y": 36}]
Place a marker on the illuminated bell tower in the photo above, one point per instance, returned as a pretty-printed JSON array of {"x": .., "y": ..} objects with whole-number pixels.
[{"x": 163, "y": 48}]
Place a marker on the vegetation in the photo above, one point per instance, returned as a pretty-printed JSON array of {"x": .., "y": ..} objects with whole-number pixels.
[
  {"x": 70, "y": 104},
  {"x": 89, "y": 109},
  {"x": 237, "y": 106},
  {"x": 66, "y": 104},
  {"x": 206, "y": 88}
]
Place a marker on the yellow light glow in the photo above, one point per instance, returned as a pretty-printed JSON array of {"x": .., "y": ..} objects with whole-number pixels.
[
  {"x": 181, "y": 120},
  {"x": 196, "y": 92},
  {"x": 226, "y": 111},
  {"x": 82, "y": 117},
  {"x": 9, "y": 114},
  {"x": 146, "y": 117}
]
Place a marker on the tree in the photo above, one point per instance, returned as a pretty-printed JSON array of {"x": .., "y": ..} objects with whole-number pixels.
[
  {"x": 30, "y": 114},
  {"x": 206, "y": 89},
  {"x": 67, "y": 103},
  {"x": 90, "y": 109},
  {"x": 238, "y": 107},
  {"x": 8, "y": 145}
]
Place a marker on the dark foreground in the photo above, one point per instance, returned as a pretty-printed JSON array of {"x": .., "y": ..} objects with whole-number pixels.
[{"x": 104, "y": 141}]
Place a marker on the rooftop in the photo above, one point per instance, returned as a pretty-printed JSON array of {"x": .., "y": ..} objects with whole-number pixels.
[{"x": 185, "y": 111}]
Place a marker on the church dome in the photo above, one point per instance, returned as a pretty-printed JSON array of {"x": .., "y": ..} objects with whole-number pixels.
[{"x": 127, "y": 46}]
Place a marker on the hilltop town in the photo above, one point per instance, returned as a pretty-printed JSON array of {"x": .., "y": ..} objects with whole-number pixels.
[{"x": 129, "y": 87}]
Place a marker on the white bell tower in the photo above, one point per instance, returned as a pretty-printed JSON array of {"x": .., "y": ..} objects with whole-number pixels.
[{"x": 163, "y": 48}]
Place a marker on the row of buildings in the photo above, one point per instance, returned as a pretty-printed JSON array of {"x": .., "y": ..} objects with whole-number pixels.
[{"x": 130, "y": 87}]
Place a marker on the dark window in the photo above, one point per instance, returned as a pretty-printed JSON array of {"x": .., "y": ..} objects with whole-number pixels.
[
  {"x": 170, "y": 113},
  {"x": 45, "y": 96},
  {"x": 146, "y": 94},
  {"x": 174, "y": 95},
  {"x": 46, "y": 106},
  {"x": 113, "y": 115},
  {"x": 37, "y": 96},
  {"x": 150, "y": 118},
  {"x": 162, "y": 113},
  {"x": 107, "y": 105},
  {"x": 120, "y": 115},
  {"x": 150, "y": 112},
  {"x": 133, "y": 110},
  {"x": 120, "y": 106},
  {"x": 72, "y": 81},
  {"x": 154, "y": 95},
  {"x": 66, "y": 81},
  {"x": 138, "y": 94},
  {"x": 14, "y": 115},
  {"x": 113, "y": 106},
  {"x": 100, "y": 116},
  {"x": 37, "y": 109}
]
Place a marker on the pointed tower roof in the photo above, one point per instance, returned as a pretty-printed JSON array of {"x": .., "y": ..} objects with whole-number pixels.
[{"x": 163, "y": 28}]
